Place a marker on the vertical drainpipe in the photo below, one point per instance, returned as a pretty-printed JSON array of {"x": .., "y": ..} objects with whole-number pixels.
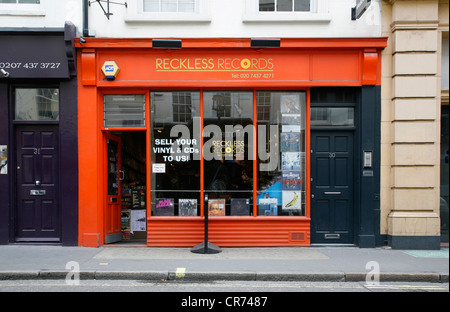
[{"x": 85, "y": 18}]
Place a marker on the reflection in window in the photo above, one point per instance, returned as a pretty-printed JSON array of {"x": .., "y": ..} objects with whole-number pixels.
[
  {"x": 281, "y": 192},
  {"x": 37, "y": 104},
  {"x": 332, "y": 116},
  {"x": 182, "y": 106},
  {"x": 175, "y": 168}
]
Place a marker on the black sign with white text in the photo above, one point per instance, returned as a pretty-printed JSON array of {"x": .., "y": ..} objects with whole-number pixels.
[{"x": 33, "y": 56}]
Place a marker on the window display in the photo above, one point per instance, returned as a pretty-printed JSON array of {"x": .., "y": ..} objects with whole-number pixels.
[
  {"x": 230, "y": 153},
  {"x": 284, "y": 187},
  {"x": 229, "y": 175},
  {"x": 175, "y": 167}
]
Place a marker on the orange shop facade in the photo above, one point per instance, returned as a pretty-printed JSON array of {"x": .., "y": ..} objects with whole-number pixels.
[{"x": 278, "y": 141}]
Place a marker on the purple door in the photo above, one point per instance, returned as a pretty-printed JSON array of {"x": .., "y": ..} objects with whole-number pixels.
[{"x": 37, "y": 205}]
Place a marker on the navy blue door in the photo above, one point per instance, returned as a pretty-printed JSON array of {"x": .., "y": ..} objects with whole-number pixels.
[
  {"x": 37, "y": 180},
  {"x": 332, "y": 187}
]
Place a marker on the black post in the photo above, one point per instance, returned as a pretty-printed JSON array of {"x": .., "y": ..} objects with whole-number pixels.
[
  {"x": 206, "y": 247},
  {"x": 206, "y": 225}
]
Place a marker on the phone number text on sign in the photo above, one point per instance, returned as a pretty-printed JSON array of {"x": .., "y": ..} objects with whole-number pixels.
[
  {"x": 252, "y": 76},
  {"x": 30, "y": 65}
]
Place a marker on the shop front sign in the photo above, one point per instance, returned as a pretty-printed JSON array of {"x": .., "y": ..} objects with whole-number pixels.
[{"x": 33, "y": 57}]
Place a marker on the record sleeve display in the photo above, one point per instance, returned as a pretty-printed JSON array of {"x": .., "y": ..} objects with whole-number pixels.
[
  {"x": 291, "y": 181},
  {"x": 290, "y": 161},
  {"x": 216, "y": 207},
  {"x": 291, "y": 200},
  {"x": 164, "y": 207},
  {"x": 291, "y": 122},
  {"x": 240, "y": 207},
  {"x": 290, "y": 104},
  {"x": 187, "y": 207},
  {"x": 268, "y": 207},
  {"x": 290, "y": 142}
]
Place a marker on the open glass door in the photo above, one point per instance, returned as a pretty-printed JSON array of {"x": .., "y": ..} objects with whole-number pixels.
[{"x": 113, "y": 232}]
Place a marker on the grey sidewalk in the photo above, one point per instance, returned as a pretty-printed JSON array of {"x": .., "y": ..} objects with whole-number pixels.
[{"x": 275, "y": 264}]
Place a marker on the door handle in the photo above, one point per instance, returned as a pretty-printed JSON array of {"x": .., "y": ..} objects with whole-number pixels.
[
  {"x": 122, "y": 175},
  {"x": 38, "y": 183},
  {"x": 332, "y": 193}
]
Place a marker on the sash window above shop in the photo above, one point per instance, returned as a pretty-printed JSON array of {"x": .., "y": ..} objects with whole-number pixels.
[
  {"x": 286, "y": 11},
  {"x": 169, "y": 5},
  {"x": 21, "y": 1},
  {"x": 154, "y": 11},
  {"x": 285, "y": 5}
]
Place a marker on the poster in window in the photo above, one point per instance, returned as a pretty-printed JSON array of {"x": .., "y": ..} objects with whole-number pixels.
[
  {"x": 125, "y": 216},
  {"x": 268, "y": 207},
  {"x": 290, "y": 142},
  {"x": 240, "y": 207},
  {"x": 187, "y": 207},
  {"x": 290, "y": 104},
  {"x": 291, "y": 181},
  {"x": 290, "y": 161},
  {"x": 291, "y": 123},
  {"x": 291, "y": 200},
  {"x": 216, "y": 207},
  {"x": 138, "y": 220},
  {"x": 164, "y": 207}
]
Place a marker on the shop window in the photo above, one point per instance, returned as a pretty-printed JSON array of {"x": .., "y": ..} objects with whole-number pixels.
[
  {"x": 124, "y": 110},
  {"x": 230, "y": 154},
  {"x": 175, "y": 149},
  {"x": 282, "y": 190},
  {"x": 37, "y": 104},
  {"x": 229, "y": 163}
]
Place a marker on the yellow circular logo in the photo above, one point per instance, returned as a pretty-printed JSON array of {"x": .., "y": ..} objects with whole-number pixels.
[{"x": 245, "y": 63}]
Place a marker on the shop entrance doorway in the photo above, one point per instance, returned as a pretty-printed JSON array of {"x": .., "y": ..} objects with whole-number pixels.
[
  {"x": 125, "y": 200},
  {"x": 332, "y": 170}
]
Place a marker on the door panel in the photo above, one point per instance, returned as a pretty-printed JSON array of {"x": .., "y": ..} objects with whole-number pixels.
[
  {"x": 37, "y": 179},
  {"x": 113, "y": 228},
  {"x": 332, "y": 187}
]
